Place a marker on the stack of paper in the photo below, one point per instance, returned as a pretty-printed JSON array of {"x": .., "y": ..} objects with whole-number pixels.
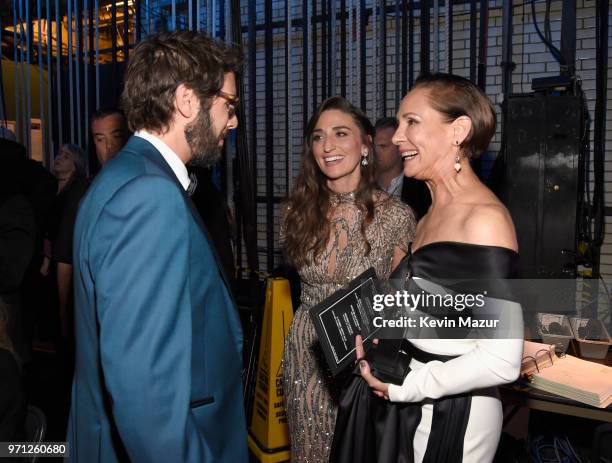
[{"x": 571, "y": 377}]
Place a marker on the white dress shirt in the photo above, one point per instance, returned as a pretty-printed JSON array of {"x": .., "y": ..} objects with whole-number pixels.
[{"x": 170, "y": 156}]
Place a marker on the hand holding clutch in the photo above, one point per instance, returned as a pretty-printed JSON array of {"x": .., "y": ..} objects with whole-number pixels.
[{"x": 378, "y": 387}]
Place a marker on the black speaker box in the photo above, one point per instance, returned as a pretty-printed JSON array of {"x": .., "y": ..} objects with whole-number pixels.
[{"x": 541, "y": 181}]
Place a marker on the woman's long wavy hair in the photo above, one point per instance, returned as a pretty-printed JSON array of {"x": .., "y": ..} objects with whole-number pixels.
[{"x": 306, "y": 211}]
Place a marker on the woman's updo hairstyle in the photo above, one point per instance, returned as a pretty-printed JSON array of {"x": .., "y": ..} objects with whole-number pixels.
[{"x": 455, "y": 96}]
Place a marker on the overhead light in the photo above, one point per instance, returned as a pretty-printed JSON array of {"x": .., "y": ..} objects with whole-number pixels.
[{"x": 130, "y": 3}]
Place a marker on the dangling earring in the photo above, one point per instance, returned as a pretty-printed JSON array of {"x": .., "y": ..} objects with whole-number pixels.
[
  {"x": 364, "y": 159},
  {"x": 457, "y": 159},
  {"x": 457, "y": 163}
]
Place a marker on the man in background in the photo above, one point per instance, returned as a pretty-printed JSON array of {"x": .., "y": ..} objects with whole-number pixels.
[
  {"x": 390, "y": 170},
  {"x": 110, "y": 133}
]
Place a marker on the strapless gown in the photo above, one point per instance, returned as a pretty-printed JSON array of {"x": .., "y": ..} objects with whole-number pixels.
[{"x": 448, "y": 408}]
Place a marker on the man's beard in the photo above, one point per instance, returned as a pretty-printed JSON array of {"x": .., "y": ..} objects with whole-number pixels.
[{"x": 202, "y": 141}]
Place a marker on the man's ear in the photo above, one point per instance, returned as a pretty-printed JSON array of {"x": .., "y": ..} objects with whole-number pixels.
[
  {"x": 185, "y": 101},
  {"x": 461, "y": 128}
]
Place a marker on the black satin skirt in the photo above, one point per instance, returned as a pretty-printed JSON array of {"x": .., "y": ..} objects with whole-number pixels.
[{"x": 370, "y": 429}]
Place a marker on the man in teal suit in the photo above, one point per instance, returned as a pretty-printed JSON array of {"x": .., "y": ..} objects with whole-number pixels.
[{"x": 158, "y": 339}]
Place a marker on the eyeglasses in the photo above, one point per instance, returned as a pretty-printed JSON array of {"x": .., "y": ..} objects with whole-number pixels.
[{"x": 231, "y": 103}]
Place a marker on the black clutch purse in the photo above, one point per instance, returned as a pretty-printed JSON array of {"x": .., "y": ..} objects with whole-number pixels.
[
  {"x": 390, "y": 360},
  {"x": 349, "y": 312}
]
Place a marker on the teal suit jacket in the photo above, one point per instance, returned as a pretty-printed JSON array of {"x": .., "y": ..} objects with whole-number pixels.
[{"x": 158, "y": 339}]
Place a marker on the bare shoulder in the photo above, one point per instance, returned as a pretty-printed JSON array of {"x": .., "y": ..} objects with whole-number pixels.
[{"x": 490, "y": 224}]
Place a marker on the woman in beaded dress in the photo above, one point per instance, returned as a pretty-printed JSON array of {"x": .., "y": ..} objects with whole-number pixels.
[{"x": 336, "y": 224}]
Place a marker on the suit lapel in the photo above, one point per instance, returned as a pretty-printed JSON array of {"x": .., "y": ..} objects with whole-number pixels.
[{"x": 150, "y": 152}]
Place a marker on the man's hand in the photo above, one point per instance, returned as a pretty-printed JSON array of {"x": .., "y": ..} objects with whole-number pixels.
[
  {"x": 44, "y": 268},
  {"x": 378, "y": 387}
]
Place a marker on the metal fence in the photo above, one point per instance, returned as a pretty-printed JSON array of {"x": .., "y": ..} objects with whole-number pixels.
[{"x": 63, "y": 59}]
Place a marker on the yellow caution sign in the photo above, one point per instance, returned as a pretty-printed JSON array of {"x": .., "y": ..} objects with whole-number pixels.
[{"x": 268, "y": 433}]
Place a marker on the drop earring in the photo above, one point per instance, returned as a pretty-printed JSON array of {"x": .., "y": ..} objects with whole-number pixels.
[
  {"x": 364, "y": 159},
  {"x": 457, "y": 159},
  {"x": 457, "y": 163}
]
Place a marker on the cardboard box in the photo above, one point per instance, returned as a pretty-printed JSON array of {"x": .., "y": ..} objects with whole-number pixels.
[
  {"x": 592, "y": 337},
  {"x": 555, "y": 329}
]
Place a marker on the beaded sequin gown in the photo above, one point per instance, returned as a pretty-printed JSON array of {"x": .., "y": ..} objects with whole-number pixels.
[{"x": 310, "y": 395}]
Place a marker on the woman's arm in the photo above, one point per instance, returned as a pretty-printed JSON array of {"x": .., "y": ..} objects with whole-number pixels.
[{"x": 491, "y": 363}]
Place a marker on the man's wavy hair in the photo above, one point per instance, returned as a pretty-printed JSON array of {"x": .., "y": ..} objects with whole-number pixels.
[
  {"x": 161, "y": 63},
  {"x": 307, "y": 210}
]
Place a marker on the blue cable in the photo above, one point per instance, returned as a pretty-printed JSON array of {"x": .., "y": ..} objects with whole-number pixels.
[{"x": 562, "y": 448}]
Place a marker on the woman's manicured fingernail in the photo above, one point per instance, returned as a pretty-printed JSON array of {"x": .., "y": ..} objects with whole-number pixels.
[{"x": 362, "y": 364}]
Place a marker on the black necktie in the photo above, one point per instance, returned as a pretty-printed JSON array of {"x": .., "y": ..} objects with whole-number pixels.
[{"x": 193, "y": 184}]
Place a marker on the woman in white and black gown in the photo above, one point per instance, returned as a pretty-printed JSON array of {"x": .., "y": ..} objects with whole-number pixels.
[{"x": 447, "y": 408}]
